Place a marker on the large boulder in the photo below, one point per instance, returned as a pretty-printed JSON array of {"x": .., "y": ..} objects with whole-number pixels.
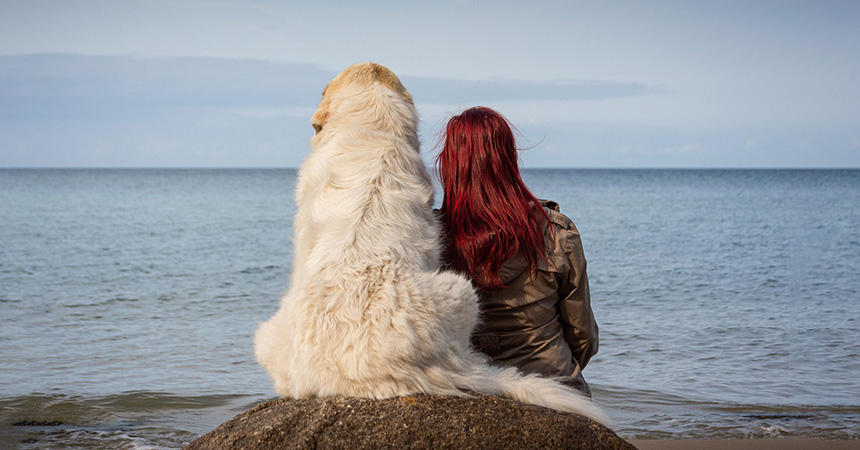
[{"x": 421, "y": 421}]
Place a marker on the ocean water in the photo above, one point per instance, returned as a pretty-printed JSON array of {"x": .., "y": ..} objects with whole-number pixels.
[{"x": 728, "y": 300}]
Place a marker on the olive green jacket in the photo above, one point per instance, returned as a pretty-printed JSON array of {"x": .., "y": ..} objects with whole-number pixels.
[{"x": 542, "y": 322}]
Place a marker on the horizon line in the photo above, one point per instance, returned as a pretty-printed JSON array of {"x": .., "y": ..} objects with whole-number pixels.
[{"x": 431, "y": 167}]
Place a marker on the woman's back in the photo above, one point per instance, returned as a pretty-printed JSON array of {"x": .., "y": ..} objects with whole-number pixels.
[{"x": 541, "y": 321}]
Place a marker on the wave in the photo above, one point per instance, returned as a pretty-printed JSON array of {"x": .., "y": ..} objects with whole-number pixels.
[
  {"x": 45, "y": 405},
  {"x": 131, "y": 419},
  {"x": 258, "y": 269},
  {"x": 109, "y": 301},
  {"x": 653, "y": 414}
]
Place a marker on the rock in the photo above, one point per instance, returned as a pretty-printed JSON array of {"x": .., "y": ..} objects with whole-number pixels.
[{"x": 419, "y": 421}]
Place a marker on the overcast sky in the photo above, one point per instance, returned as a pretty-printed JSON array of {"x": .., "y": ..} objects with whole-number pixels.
[{"x": 597, "y": 84}]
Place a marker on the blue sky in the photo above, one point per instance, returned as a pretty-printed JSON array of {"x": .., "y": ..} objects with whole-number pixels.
[{"x": 597, "y": 84}]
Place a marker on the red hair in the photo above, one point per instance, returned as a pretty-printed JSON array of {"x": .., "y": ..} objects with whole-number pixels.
[{"x": 488, "y": 213}]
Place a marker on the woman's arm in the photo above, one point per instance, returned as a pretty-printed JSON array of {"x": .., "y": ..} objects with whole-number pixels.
[{"x": 577, "y": 318}]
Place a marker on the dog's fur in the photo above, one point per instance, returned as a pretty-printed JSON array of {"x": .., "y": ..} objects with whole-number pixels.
[{"x": 368, "y": 313}]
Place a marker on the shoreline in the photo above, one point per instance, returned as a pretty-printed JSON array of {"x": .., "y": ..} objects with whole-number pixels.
[{"x": 745, "y": 444}]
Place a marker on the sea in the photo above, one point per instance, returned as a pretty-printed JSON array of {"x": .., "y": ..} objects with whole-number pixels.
[{"x": 728, "y": 300}]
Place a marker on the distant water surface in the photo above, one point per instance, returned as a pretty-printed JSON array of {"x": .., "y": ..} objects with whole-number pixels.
[{"x": 728, "y": 300}]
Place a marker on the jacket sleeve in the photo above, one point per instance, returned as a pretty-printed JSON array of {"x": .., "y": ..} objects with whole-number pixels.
[{"x": 577, "y": 318}]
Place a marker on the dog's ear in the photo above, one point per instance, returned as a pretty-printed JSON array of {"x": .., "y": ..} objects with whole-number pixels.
[{"x": 320, "y": 117}]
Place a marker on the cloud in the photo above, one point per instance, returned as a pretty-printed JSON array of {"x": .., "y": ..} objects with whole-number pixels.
[
  {"x": 44, "y": 84},
  {"x": 441, "y": 90}
]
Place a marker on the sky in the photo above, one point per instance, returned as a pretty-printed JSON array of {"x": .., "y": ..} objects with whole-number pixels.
[{"x": 233, "y": 83}]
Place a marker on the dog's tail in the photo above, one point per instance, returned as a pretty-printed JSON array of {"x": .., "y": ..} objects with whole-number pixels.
[{"x": 510, "y": 383}]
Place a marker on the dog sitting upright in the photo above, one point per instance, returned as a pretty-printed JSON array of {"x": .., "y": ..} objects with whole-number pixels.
[{"x": 368, "y": 312}]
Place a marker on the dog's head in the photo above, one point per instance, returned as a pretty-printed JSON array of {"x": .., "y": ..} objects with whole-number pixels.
[{"x": 366, "y": 94}]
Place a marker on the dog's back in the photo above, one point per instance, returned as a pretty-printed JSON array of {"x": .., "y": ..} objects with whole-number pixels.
[{"x": 368, "y": 313}]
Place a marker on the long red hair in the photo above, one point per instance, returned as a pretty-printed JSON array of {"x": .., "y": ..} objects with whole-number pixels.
[{"x": 488, "y": 213}]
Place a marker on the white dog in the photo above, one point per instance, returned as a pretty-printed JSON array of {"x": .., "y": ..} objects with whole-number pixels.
[{"x": 368, "y": 313}]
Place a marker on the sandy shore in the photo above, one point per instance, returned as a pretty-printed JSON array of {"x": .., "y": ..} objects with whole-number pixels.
[{"x": 743, "y": 444}]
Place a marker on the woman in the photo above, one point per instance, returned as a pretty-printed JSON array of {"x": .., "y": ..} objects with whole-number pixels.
[{"x": 524, "y": 257}]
